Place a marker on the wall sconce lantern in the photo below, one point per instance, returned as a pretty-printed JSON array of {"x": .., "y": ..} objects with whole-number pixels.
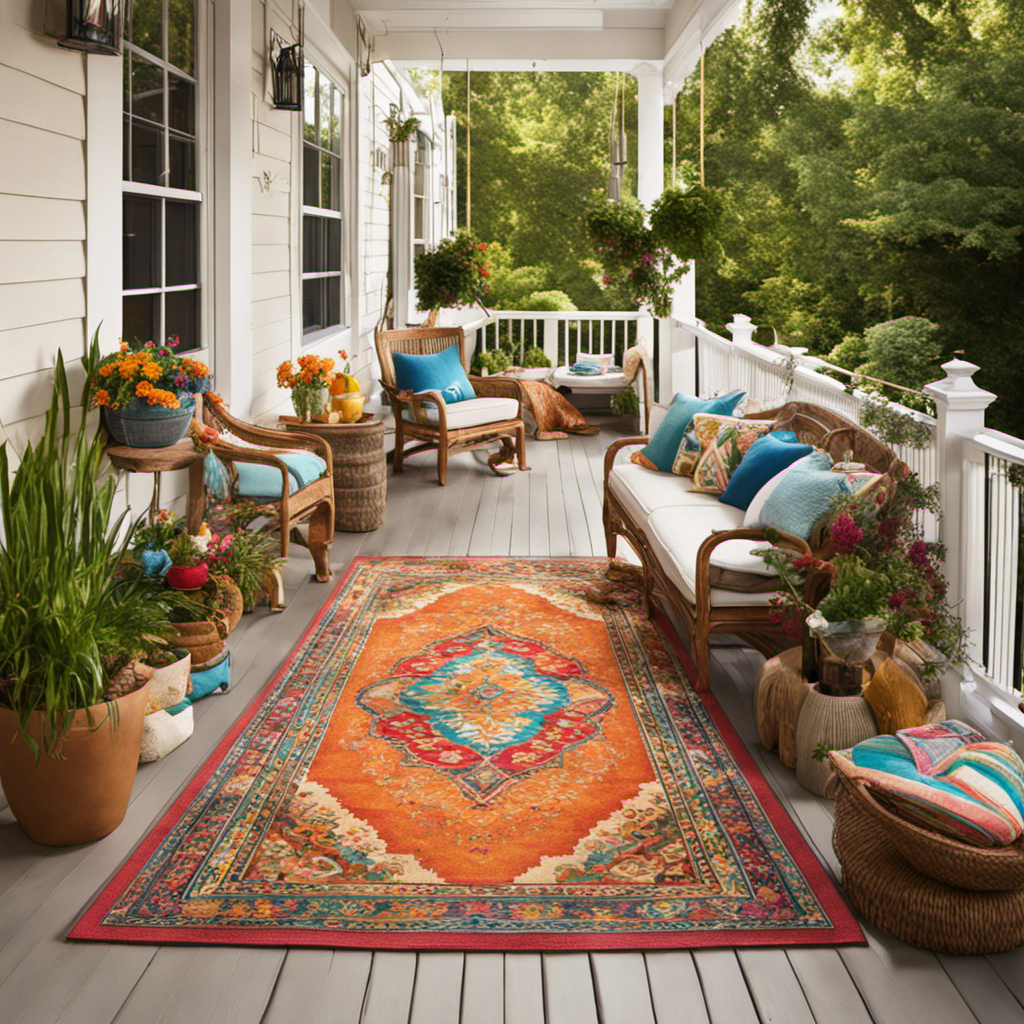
[
  {"x": 93, "y": 26},
  {"x": 288, "y": 74}
]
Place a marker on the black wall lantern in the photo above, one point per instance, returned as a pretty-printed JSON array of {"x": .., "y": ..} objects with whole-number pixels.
[
  {"x": 93, "y": 26},
  {"x": 288, "y": 74},
  {"x": 289, "y": 68}
]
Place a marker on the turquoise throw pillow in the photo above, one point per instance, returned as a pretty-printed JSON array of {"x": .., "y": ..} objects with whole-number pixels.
[
  {"x": 258, "y": 481},
  {"x": 804, "y": 495},
  {"x": 660, "y": 451},
  {"x": 766, "y": 457},
  {"x": 440, "y": 371}
]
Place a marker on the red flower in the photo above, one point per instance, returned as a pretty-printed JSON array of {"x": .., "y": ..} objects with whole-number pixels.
[
  {"x": 606, "y": 279},
  {"x": 846, "y": 534}
]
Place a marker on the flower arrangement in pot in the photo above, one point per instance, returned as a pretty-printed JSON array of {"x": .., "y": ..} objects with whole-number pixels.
[
  {"x": 883, "y": 578},
  {"x": 71, "y": 620},
  {"x": 188, "y": 569},
  {"x": 453, "y": 273},
  {"x": 307, "y": 382},
  {"x": 146, "y": 392}
]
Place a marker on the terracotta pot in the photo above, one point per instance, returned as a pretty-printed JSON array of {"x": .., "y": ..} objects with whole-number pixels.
[
  {"x": 190, "y": 577},
  {"x": 83, "y": 796}
]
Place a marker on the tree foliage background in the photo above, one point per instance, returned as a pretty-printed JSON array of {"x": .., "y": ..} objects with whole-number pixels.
[{"x": 872, "y": 158}]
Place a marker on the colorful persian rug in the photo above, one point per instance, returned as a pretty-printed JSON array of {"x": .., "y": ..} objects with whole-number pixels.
[{"x": 477, "y": 753}]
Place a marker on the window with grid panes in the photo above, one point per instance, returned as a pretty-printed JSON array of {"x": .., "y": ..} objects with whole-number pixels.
[
  {"x": 161, "y": 204},
  {"x": 323, "y": 225},
  {"x": 421, "y": 212}
]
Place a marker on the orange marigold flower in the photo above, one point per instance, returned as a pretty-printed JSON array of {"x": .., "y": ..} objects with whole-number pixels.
[
  {"x": 144, "y": 388},
  {"x": 152, "y": 371},
  {"x": 107, "y": 370},
  {"x": 101, "y": 398}
]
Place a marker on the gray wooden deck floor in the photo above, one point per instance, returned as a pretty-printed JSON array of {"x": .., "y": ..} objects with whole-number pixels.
[{"x": 555, "y": 510}]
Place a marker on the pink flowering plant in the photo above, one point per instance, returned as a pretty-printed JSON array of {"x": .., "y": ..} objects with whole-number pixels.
[
  {"x": 454, "y": 273},
  {"x": 882, "y": 567}
]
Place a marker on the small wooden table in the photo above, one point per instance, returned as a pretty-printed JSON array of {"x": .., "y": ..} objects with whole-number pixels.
[
  {"x": 181, "y": 455},
  {"x": 359, "y": 467}
]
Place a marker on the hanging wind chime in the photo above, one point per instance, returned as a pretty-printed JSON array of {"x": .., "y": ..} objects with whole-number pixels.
[{"x": 617, "y": 143}]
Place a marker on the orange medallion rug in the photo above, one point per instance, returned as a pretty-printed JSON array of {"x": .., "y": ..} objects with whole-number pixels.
[{"x": 477, "y": 753}]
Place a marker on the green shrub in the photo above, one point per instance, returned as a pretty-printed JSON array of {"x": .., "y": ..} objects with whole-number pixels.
[
  {"x": 535, "y": 357},
  {"x": 493, "y": 361}
]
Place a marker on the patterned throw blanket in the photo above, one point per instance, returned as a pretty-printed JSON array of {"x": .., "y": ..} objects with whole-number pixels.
[{"x": 555, "y": 415}]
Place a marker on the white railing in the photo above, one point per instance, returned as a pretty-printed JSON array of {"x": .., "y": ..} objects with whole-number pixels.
[
  {"x": 562, "y": 335},
  {"x": 993, "y": 473}
]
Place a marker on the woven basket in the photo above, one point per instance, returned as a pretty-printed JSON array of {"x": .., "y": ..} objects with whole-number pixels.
[
  {"x": 900, "y": 900},
  {"x": 961, "y": 865},
  {"x": 204, "y": 640},
  {"x": 360, "y": 477}
]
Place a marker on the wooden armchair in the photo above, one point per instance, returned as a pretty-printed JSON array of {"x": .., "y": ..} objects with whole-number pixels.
[
  {"x": 313, "y": 503},
  {"x": 495, "y": 415}
]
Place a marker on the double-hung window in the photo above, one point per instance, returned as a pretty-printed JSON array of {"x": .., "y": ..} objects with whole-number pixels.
[
  {"x": 161, "y": 204},
  {"x": 422, "y": 207},
  {"x": 323, "y": 225}
]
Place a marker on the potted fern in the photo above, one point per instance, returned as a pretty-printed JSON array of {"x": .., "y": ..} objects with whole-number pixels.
[{"x": 71, "y": 622}]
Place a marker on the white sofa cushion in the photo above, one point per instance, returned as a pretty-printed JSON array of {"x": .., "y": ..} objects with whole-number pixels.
[
  {"x": 675, "y": 535},
  {"x": 473, "y": 412},
  {"x": 640, "y": 491}
]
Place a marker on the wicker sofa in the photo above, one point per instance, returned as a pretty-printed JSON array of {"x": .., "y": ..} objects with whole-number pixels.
[{"x": 696, "y": 555}]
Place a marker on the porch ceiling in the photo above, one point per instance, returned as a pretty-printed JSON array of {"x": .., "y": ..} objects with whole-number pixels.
[{"x": 547, "y": 34}]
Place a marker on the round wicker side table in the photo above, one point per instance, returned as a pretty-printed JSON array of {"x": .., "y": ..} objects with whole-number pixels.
[{"x": 360, "y": 470}]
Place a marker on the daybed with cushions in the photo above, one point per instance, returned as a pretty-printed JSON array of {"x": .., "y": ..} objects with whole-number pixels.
[{"x": 694, "y": 547}]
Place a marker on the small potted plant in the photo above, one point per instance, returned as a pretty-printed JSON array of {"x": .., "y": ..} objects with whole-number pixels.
[{"x": 188, "y": 569}]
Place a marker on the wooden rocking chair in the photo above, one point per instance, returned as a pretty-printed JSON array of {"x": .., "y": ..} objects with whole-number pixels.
[
  {"x": 313, "y": 503},
  {"x": 495, "y": 415}
]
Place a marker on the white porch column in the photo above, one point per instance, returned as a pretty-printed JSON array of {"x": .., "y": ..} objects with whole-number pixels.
[
  {"x": 650, "y": 120},
  {"x": 960, "y": 409},
  {"x": 232, "y": 195}
]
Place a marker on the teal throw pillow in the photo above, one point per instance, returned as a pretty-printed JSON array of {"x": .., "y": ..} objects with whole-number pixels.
[
  {"x": 805, "y": 493},
  {"x": 440, "y": 371},
  {"x": 258, "y": 481},
  {"x": 767, "y": 456},
  {"x": 660, "y": 452}
]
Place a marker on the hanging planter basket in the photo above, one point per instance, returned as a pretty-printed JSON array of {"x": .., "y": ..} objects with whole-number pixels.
[{"x": 149, "y": 426}]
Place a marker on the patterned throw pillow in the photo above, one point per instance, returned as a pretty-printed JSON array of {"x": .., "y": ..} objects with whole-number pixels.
[
  {"x": 724, "y": 441},
  {"x": 660, "y": 451},
  {"x": 687, "y": 456}
]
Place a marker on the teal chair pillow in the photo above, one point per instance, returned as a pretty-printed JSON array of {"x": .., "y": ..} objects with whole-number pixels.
[
  {"x": 767, "y": 456},
  {"x": 660, "y": 452},
  {"x": 258, "y": 481},
  {"x": 804, "y": 494},
  {"x": 440, "y": 371}
]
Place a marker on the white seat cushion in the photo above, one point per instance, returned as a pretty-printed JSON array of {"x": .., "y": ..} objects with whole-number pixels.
[
  {"x": 641, "y": 490},
  {"x": 473, "y": 412},
  {"x": 676, "y": 533},
  {"x": 562, "y": 378}
]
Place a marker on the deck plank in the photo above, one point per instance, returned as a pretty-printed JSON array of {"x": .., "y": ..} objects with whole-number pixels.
[
  {"x": 982, "y": 989},
  {"x": 524, "y": 988},
  {"x": 675, "y": 987},
  {"x": 300, "y": 985},
  {"x": 519, "y": 532},
  {"x": 389, "y": 992},
  {"x": 344, "y": 992},
  {"x": 483, "y": 989},
  {"x": 774, "y": 987},
  {"x": 437, "y": 995},
  {"x": 725, "y": 990},
  {"x": 569, "y": 996},
  {"x": 828, "y": 987},
  {"x": 622, "y": 988},
  {"x": 107, "y": 988}
]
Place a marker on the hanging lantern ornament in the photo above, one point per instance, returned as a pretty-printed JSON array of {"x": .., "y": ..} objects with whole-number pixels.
[
  {"x": 93, "y": 26},
  {"x": 288, "y": 70}
]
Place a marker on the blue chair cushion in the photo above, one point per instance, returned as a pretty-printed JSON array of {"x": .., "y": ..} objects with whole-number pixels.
[
  {"x": 767, "y": 456},
  {"x": 660, "y": 452},
  {"x": 259, "y": 481},
  {"x": 804, "y": 494},
  {"x": 440, "y": 371}
]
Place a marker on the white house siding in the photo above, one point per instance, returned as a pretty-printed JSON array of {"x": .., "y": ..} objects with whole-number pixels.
[
  {"x": 42, "y": 216},
  {"x": 276, "y": 255}
]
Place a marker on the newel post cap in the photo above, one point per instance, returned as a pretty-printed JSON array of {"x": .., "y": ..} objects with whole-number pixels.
[{"x": 959, "y": 387}]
